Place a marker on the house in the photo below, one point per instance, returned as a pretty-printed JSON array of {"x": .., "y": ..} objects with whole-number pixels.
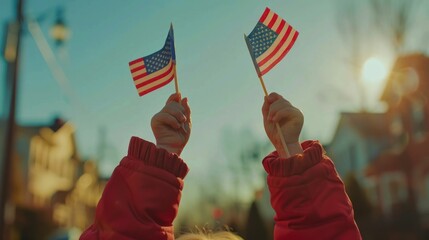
[
  {"x": 52, "y": 187},
  {"x": 359, "y": 137},
  {"x": 52, "y": 164},
  {"x": 389, "y": 152},
  {"x": 23, "y": 135},
  {"x": 402, "y": 172}
]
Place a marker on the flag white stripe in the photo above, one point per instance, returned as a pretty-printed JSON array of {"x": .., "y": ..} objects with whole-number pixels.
[
  {"x": 136, "y": 65},
  {"x": 268, "y": 18},
  {"x": 277, "y": 23},
  {"x": 280, "y": 52},
  {"x": 158, "y": 82},
  {"x": 139, "y": 72}
]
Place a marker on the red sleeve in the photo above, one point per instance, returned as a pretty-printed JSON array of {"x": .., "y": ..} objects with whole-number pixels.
[
  {"x": 142, "y": 197},
  {"x": 309, "y": 197}
]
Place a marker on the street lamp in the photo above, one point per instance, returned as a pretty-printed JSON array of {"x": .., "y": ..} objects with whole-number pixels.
[{"x": 59, "y": 31}]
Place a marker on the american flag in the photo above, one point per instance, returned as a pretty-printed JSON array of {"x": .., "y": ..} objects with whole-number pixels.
[
  {"x": 270, "y": 41},
  {"x": 156, "y": 70}
]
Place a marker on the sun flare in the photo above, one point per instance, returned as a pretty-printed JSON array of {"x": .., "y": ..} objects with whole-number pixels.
[{"x": 374, "y": 70}]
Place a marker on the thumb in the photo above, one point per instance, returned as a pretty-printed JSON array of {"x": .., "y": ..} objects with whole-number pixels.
[{"x": 175, "y": 97}]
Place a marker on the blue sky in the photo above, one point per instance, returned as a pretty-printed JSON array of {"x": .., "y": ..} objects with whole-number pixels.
[{"x": 213, "y": 65}]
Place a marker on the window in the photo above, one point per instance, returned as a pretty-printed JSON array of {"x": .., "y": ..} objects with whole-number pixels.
[{"x": 418, "y": 119}]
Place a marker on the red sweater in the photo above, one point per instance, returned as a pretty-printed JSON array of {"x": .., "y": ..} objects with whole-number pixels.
[{"x": 142, "y": 197}]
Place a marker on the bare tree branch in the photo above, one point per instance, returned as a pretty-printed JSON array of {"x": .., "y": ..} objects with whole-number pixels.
[{"x": 394, "y": 19}]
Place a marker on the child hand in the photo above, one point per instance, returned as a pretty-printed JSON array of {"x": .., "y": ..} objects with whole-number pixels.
[
  {"x": 276, "y": 109},
  {"x": 172, "y": 125}
]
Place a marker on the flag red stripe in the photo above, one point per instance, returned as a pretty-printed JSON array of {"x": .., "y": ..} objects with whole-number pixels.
[
  {"x": 157, "y": 86},
  {"x": 264, "y": 15},
  {"x": 137, "y": 69},
  {"x": 281, "y": 26},
  {"x": 136, "y": 61},
  {"x": 266, "y": 59},
  {"x": 140, "y": 76},
  {"x": 295, "y": 36},
  {"x": 151, "y": 80},
  {"x": 272, "y": 21}
]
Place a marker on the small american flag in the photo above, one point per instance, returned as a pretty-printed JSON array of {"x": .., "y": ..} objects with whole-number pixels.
[
  {"x": 156, "y": 70},
  {"x": 270, "y": 41}
]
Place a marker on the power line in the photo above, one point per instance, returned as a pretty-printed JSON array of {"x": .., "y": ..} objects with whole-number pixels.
[{"x": 52, "y": 62}]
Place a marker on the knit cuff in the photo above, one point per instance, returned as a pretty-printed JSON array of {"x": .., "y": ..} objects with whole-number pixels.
[
  {"x": 150, "y": 155},
  {"x": 295, "y": 165}
]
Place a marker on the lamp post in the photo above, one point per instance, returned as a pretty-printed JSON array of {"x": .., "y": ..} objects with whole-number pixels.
[
  {"x": 12, "y": 53},
  {"x": 12, "y": 50}
]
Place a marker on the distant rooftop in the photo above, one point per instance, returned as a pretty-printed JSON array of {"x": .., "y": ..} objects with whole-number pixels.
[
  {"x": 419, "y": 63},
  {"x": 369, "y": 125}
]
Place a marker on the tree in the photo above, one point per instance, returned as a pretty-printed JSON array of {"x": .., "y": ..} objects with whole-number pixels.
[
  {"x": 395, "y": 19},
  {"x": 394, "y": 23}
]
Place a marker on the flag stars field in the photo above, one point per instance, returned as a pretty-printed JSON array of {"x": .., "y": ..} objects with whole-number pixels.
[{"x": 262, "y": 38}]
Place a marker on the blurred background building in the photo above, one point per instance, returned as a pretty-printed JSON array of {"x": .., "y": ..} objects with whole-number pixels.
[
  {"x": 387, "y": 152},
  {"x": 52, "y": 187}
]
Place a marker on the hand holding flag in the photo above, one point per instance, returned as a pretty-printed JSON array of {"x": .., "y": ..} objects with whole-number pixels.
[{"x": 268, "y": 44}]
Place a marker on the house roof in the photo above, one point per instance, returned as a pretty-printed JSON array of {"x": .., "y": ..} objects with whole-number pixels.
[
  {"x": 33, "y": 129},
  {"x": 20, "y": 131},
  {"x": 29, "y": 131},
  {"x": 368, "y": 125},
  {"x": 400, "y": 158},
  {"x": 419, "y": 63}
]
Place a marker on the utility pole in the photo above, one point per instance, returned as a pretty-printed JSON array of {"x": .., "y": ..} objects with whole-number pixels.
[{"x": 11, "y": 55}]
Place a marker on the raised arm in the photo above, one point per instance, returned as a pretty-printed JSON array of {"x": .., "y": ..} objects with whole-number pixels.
[
  {"x": 307, "y": 194},
  {"x": 142, "y": 197}
]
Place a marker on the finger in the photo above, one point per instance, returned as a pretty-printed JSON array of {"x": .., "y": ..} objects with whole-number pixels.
[
  {"x": 175, "y": 97},
  {"x": 186, "y": 126},
  {"x": 188, "y": 123},
  {"x": 168, "y": 120},
  {"x": 274, "y": 97},
  {"x": 285, "y": 114},
  {"x": 176, "y": 110},
  {"x": 187, "y": 108},
  {"x": 277, "y": 106}
]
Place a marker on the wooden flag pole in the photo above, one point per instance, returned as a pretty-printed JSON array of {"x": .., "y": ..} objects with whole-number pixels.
[
  {"x": 173, "y": 55},
  {"x": 282, "y": 139},
  {"x": 263, "y": 85},
  {"x": 176, "y": 83}
]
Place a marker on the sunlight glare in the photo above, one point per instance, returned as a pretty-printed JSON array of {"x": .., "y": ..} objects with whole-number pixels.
[{"x": 374, "y": 70}]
